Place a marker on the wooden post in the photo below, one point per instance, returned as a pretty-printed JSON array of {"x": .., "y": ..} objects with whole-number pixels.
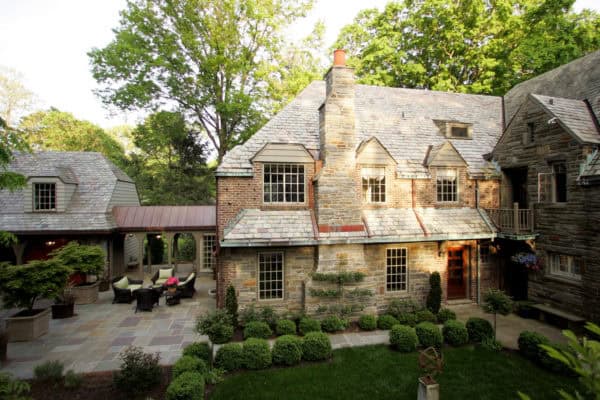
[
  {"x": 19, "y": 249},
  {"x": 199, "y": 261},
  {"x": 169, "y": 238},
  {"x": 140, "y": 239},
  {"x": 532, "y": 222},
  {"x": 516, "y": 216}
]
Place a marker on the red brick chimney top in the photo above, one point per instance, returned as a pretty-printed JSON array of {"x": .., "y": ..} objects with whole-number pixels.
[{"x": 339, "y": 58}]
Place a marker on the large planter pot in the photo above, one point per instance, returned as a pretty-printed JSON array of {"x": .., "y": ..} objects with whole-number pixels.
[
  {"x": 104, "y": 285},
  {"x": 86, "y": 293},
  {"x": 428, "y": 389},
  {"x": 22, "y": 327},
  {"x": 60, "y": 311}
]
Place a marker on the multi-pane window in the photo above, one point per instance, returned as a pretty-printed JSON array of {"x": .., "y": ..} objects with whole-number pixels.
[
  {"x": 458, "y": 130},
  {"x": 208, "y": 251},
  {"x": 396, "y": 270},
  {"x": 552, "y": 186},
  {"x": 270, "y": 276},
  {"x": 44, "y": 196},
  {"x": 447, "y": 185},
  {"x": 565, "y": 266},
  {"x": 373, "y": 185},
  {"x": 283, "y": 183}
]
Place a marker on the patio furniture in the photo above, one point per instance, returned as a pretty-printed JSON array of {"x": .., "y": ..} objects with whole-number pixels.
[
  {"x": 186, "y": 285},
  {"x": 123, "y": 288},
  {"x": 172, "y": 298},
  {"x": 161, "y": 276},
  {"x": 146, "y": 299}
]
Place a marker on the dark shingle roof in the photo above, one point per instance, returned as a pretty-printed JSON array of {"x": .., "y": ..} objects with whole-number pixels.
[{"x": 403, "y": 120}]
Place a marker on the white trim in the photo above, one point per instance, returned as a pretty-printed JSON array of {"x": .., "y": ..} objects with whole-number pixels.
[
  {"x": 258, "y": 254},
  {"x": 445, "y": 174},
  {"x": 554, "y": 268},
  {"x": 305, "y": 184},
  {"x": 386, "y": 271}
]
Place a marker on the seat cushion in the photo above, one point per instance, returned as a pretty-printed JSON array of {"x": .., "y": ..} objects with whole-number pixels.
[
  {"x": 189, "y": 278},
  {"x": 160, "y": 281},
  {"x": 134, "y": 287},
  {"x": 121, "y": 283},
  {"x": 165, "y": 273}
]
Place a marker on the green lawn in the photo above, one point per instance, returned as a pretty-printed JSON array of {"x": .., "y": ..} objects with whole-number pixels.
[{"x": 376, "y": 372}]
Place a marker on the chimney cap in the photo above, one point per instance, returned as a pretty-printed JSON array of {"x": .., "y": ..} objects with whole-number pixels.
[{"x": 339, "y": 58}]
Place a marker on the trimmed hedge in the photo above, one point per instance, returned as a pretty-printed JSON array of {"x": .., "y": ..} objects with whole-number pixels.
[
  {"x": 287, "y": 350},
  {"x": 425, "y": 316},
  {"x": 403, "y": 338},
  {"x": 529, "y": 345},
  {"x": 285, "y": 327},
  {"x": 187, "y": 386},
  {"x": 230, "y": 357},
  {"x": 200, "y": 350},
  {"x": 256, "y": 353},
  {"x": 316, "y": 346},
  {"x": 479, "y": 329},
  {"x": 429, "y": 335},
  {"x": 554, "y": 365},
  {"x": 445, "y": 315},
  {"x": 407, "y": 318},
  {"x": 386, "y": 321},
  {"x": 309, "y": 325},
  {"x": 332, "y": 324},
  {"x": 257, "y": 329},
  {"x": 189, "y": 364},
  {"x": 367, "y": 322},
  {"x": 455, "y": 333}
]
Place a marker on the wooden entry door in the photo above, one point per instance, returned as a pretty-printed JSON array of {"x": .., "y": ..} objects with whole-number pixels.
[{"x": 457, "y": 276}]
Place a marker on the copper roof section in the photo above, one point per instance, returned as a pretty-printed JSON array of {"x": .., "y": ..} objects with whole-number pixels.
[{"x": 165, "y": 218}]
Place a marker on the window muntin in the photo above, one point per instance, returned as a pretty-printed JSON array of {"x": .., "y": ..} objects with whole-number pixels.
[
  {"x": 565, "y": 266},
  {"x": 283, "y": 183},
  {"x": 447, "y": 185},
  {"x": 396, "y": 276},
  {"x": 208, "y": 259},
  {"x": 44, "y": 196},
  {"x": 373, "y": 185},
  {"x": 270, "y": 276}
]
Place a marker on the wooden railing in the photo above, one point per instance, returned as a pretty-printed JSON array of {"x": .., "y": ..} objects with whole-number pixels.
[{"x": 512, "y": 220}]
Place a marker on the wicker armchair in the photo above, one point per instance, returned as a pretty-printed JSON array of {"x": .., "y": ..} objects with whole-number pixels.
[
  {"x": 125, "y": 294},
  {"x": 156, "y": 280},
  {"x": 186, "y": 285}
]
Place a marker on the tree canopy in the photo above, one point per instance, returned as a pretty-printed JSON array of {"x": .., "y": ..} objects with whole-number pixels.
[
  {"x": 210, "y": 59},
  {"x": 15, "y": 98},
  {"x": 470, "y": 46}
]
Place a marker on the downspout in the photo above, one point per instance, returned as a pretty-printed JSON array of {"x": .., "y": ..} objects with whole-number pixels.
[{"x": 478, "y": 245}]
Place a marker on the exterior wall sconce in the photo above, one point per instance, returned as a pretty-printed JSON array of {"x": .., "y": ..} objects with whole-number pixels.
[{"x": 50, "y": 243}]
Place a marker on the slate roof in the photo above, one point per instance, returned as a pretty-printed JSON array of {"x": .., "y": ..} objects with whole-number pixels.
[
  {"x": 591, "y": 170},
  {"x": 253, "y": 225},
  {"x": 403, "y": 120},
  {"x": 95, "y": 178},
  {"x": 579, "y": 79},
  {"x": 574, "y": 115}
]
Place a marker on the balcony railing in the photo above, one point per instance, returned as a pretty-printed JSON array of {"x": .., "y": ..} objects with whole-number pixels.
[{"x": 512, "y": 220}]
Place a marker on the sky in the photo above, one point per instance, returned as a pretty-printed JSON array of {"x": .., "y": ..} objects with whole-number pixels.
[{"x": 47, "y": 41}]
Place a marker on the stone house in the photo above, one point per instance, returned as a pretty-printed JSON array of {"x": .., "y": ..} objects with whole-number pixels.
[
  {"x": 389, "y": 182},
  {"x": 548, "y": 156}
]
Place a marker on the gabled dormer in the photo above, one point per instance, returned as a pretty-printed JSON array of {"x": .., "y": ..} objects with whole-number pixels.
[
  {"x": 446, "y": 167},
  {"x": 50, "y": 192},
  {"x": 375, "y": 163}
]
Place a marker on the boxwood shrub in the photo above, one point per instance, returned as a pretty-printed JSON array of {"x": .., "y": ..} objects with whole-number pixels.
[
  {"x": 529, "y": 345},
  {"x": 285, "y": 327},
  {"x": 455, "y": 333},
  {"x": 403, "y": 338},
  {"x": 407, "y": 318},
  {"x": 187, "y": 386},
  {"x": 200, "y": 350},
  {"x": 257, "y": 329},
  {"x": 287, "y": 350},
  {"x": 429, "y": 334},
  {"x": 333, "y": 323},
  {"x": 479, "y": 329},
  {"x": 426, "y": 316},
  {"x": 309, "y": 325},
  {"x": 256, "y": 353},
  {"x": 554, "y": 365},
  {"x": 230, "y": 357},
  {"x": 189, "y": 364},
  {"x": 445, "y": 314},
  {"x": 316, "y": 346},
  {"x": 386, "y": 321},
  {"x": 367, "y": 322}
]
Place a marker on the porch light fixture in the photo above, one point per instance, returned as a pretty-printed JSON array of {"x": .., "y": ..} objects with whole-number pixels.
[
  {"x": 158, "y": 236},
  {"x": 50, "y": 243}
]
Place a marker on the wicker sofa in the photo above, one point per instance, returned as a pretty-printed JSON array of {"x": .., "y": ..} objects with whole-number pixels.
[
  {"x": 186, "y": 285},
  {"x": 123, "y": 288}
]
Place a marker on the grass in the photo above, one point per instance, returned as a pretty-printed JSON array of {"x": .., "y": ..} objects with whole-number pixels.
[{"x": 376, "y": 372}]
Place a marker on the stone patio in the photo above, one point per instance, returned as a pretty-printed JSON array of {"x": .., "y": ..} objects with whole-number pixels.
[{"x": 93, "y": 339}]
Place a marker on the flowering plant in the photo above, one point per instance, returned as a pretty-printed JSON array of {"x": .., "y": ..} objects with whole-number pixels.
[
  {"x": 172, "y": 282},
  {"x": 529, "y": 260}
]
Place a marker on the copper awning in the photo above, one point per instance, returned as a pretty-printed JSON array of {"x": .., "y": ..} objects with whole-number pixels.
[{"x": 165, "y": 218}]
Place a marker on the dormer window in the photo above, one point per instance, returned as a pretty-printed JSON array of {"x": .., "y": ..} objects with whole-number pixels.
[
  {"x": 447, "y": 185},
  {"x": 457, "y": 130},
  {"x": 373, "y": 185},
  {"x": 44, "y": 197},
  {"x": 283, "y": 183}
]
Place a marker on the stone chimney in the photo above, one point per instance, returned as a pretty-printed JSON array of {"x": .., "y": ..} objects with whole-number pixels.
[{"x": 337, "y": 193}]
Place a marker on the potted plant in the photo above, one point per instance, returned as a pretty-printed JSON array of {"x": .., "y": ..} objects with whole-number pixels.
[
  {"x": 86, "y": 262},
  {"x": 64, "y": 303},
  {"x": 171, "y": 284},
  {"x": 21, "y": 286}
]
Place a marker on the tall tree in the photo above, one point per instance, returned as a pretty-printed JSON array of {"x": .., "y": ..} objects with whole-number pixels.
[
  {"x": 471, "y": 46},
  {"x": 209, "y": 58},
  {"x": 15, "y": 98},
  {"x": 170, "y": 166},
  {"x": 58, "y": 130}
]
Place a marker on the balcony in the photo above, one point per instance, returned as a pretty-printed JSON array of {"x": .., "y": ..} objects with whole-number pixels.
[{"x": 513, "y": 223}]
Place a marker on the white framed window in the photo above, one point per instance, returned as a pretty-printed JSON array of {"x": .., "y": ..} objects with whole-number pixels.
[
  {"x": 552, "y": 186},
  {"x": 447, "y": 185},
  {"x": 283, "y": 183},
  {"x": 44, "y": 197},
  {"x": 373, "y": 184},
  {"x": 208, "y": 258},
  {"x": 459, "y": 130},
  {"x": 565, "y": 266},
  {"x": 270, "y": 275},
  {"x": 396, "y": 274}
]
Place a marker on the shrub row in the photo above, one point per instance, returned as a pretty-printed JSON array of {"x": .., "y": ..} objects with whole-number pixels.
[{"x": 530, "y": 347}]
